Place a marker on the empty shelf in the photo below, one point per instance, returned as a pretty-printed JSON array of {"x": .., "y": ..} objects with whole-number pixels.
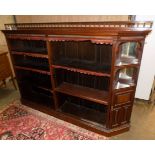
[
  {"x": 82, "y": 71},
  {"x": 37, "y": 55},
  {"x": 90, "y": 94},
  {"x": 33, "y": 70},
  {"x": 91, "y": 116}
]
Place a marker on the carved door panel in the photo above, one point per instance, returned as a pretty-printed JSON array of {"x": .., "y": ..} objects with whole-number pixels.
[{"x": 120, "y": 115}]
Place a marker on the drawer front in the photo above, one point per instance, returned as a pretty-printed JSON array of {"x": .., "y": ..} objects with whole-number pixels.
[{"x": 122, "y": 98}]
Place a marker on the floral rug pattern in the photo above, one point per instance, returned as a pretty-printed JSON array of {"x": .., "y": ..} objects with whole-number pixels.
[{"x": 18, "y": 122}]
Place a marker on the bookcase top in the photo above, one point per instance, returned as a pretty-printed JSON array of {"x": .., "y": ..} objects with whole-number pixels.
[
  {"x": 83, "y": 28},
  {"x": 112, "y": 24}
]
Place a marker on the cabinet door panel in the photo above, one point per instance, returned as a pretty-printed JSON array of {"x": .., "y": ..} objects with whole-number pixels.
[{"x": 120, "y": 116}]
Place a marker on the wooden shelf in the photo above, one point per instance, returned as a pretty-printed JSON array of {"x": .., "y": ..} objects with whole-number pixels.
[
  {"x": 47, "y": 89},
  {"x": 82, "y": 71},
  {"x": 36, "y": 55},
  {"x": 126, "y": 65},
  {"x": 122, "y": 85},
  {"x": 89, "y": 115},
  {"x": 33, "y": 70},
  {"x": 84, "y": 92},
  {"x": 36, "y": 85}
]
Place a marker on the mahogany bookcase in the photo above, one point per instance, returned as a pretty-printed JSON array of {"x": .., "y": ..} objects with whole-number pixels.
[{"x": 84, "y": 73}]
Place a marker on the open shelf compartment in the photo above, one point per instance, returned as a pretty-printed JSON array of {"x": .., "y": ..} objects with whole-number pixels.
[
  {"x": 36, "y": 94},
  {"x": 90, "y": 112},
  {"x": 33, "y": 78},
  {"x": 28, "y": 46},
  {"x": 31, "y": 62},
  {"x": 93, "y": 88},
  {"x": 83, "y": 55}
]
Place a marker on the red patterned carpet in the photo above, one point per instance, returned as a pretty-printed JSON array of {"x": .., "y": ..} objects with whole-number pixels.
[{"x": 18, "y": 122}]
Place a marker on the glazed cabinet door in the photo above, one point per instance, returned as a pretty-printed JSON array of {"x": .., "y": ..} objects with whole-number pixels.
[
  {"x": 129, "y": 52},
  {"x": 126, "y": 68},
  {"x": 128, "y": 58}
]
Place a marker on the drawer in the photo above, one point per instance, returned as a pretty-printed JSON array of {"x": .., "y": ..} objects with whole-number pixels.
[{"x": 122, "y": 98}]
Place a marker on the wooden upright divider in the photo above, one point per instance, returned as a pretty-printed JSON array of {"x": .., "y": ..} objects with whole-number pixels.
[{"x": 50, "y": 53}]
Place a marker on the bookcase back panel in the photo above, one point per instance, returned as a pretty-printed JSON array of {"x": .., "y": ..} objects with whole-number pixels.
[
  {"x": 96, "y": 82},
  {"x": 36, "y": 94},
  {"x": 32, "y": 62},
  {"x": 83, "y": 54},
  {"x": 34, "y": 46},
  {"x": 42, "y": 80},
  {"x": 84, "y": 109}
]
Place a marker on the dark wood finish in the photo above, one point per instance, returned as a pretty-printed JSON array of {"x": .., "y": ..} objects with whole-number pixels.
[
  {"x": 81, "y": 71},
  {"x": 33, "y": 70},
  {"x": 91, "y": 116},
  {"x": 45, "y": 89},
  {"x": 84, "y": 92},
  {"x": 53, "y": 82},
  {"x": 30, "y": 54},
  {"x": 5, "y": 69},
  {"x": 86, "y": 85},
  {"x": 27, "y": 37},
  {"x": 124, "y": 97},
  {"x": 72, "y": 119},
  {"x": 120, "y": 115}
]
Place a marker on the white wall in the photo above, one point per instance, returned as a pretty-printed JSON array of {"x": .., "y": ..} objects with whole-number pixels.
[
  {"x": 4, "y": 19},
  {"x": 68, "y": 18},
  {"x": 147, "y": 71}
]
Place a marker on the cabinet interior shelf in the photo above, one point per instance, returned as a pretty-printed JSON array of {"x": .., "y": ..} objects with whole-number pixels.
[
  {"x": 82, "y": 71},
  {"x": 37, "y": 86},
  {"x": 89, "y": 116},
  {"x": 32, "y": 69},
  {"x": 126, "y": 65},
  {"x": 45, "y": 89},
  {"x": 37, "y": 55},
  {"x": 123, "y": 85},
  {"x": 84, "y": 92}
]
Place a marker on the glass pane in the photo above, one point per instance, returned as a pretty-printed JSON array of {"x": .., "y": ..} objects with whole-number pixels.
[
  {"x": 125, "y": 78},
  {"x": 128, "y": 53},
  {"x": 126, "y": 75},
  {"x": 129, "y": 49}
]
